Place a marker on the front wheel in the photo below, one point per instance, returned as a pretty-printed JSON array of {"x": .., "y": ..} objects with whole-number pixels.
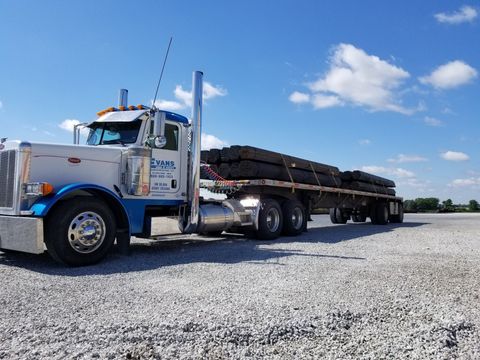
[
  {"x": 270, "y": 220},
  {"x": 80, "y": 231}
]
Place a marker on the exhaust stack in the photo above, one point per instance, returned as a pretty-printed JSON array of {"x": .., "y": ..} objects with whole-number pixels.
[
  {"x": 190, "y": 219},
  {"x": 123, "y": 98}
]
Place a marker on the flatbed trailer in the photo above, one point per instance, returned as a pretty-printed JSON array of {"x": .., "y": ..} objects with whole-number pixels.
[{"x": 294, "y": 202}]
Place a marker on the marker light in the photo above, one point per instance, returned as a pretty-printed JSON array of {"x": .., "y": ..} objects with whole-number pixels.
[
  {"x": 107, "y": 110},
  {"x": 38, "y": 189}
]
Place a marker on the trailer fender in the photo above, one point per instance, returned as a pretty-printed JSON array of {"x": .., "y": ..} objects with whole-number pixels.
[{"x": 43, "y": 205}]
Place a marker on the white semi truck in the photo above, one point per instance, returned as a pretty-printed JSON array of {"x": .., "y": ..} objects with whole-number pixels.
[{"x": 76, "y": 201}]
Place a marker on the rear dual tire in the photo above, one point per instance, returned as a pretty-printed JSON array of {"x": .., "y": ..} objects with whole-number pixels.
[
  {"x": 290, "y": 219},
  {"x": 337, "y": 216},
  {"x": 379, "y": 214}
]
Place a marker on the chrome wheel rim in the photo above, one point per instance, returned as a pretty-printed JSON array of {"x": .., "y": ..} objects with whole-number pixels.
[
  {"x": 297, "y": 218},
  {"x": 86, "y": 232},
  {"x": 273, "y": 219}
]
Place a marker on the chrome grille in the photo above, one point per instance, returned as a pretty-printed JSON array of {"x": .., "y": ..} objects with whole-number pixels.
[{"x": 7, "y": 178}]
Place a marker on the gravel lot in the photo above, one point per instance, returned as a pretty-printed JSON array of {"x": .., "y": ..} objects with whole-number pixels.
[{"x": 339, "y": 291}]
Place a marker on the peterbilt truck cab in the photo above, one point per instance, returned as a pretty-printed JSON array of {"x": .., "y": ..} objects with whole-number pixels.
[{"x": 75, "y": 200}]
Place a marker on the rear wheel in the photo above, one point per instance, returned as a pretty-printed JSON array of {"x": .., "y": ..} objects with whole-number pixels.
[
  {"x": 270, "y": 220},
  {"x": 294, "y": 218},
  {"x": 398, "y": 219},
  {"x": 337, "y": 216},
  {"x": 379, "y": 214},
  {"x": 80, "y": 231}
]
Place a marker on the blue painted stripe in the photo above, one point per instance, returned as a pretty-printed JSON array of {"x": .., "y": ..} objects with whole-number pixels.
[
  {"x": 176, "y": 117},
  {"x": 134, "y": 208}
]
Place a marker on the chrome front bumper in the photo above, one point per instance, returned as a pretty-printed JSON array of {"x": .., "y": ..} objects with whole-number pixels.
[{"x": 23, "y": 234}]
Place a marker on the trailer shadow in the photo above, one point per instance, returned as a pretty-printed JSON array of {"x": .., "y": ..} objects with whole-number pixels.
[{"x": 228, "y": 249}]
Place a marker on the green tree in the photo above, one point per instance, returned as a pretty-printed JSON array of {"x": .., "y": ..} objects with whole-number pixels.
[
  {"x": 473, "y": 205},
  {"x": 427, "y": 204},
  {"x": 409, "y": 206},
  {"x": 448, "y": 205}
]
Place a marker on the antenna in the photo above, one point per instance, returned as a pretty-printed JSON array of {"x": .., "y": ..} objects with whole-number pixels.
[{"x": 161, "y": 73}]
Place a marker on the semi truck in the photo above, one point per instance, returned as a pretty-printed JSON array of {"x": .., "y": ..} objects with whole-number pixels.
[{"x": 138, "y": 163}]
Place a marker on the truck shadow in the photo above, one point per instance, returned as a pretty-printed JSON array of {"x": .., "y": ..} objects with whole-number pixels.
[{"x": 186, "y": 249}]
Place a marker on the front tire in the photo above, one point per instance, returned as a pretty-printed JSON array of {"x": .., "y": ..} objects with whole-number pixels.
[
  {"x": 80, "y": 231},
  {"x": 270, "y": 220}
]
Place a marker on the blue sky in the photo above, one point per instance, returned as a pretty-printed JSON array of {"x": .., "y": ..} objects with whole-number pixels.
[{"x": 390, "y": 87}]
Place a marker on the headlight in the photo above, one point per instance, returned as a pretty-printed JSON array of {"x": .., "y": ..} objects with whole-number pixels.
[{"x": 38, "y": 189}]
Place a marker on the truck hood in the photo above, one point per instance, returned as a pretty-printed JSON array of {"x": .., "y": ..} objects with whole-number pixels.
[{"x": 61, "y": 165}]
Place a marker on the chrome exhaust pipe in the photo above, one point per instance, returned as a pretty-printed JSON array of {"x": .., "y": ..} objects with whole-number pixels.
[
  {"x": 123, "y": 98},
  {"x": 190, "y": 219}
]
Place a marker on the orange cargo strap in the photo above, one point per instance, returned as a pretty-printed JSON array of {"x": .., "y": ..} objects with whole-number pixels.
[
  {"x": 289, "y": 174},
  {"x": 316, "y": 177}
]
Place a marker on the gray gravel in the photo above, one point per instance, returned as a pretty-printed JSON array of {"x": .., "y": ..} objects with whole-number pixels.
[{"x": 339, "y": 291}]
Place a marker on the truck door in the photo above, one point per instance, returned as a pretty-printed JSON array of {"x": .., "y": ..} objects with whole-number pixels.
[{"x": 166, "y": 165}]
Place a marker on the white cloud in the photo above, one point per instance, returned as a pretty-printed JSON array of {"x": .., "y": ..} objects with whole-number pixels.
[
  {"x": 212, "y": 142},
  {"x": 430, "y": 121},
  {"x": 454, "y": 156},
  {"x": 465, "y": 182},
  {"x": 415, "y": 183},
  {"x": 184, "y": 97},
  {"x": 298, "y": 97},
  {"x": 68, "y": 125},
  {"x": 169, "y": 105},
  {"x": 364, "y": 141},
  {"x": 450, "y": 75},
  {"x": 1, "y": 105},
  {"x": 380, "y": 170},
  {"x": 320, "y": 101},
  {"x": 361, "y": 79},
  {"x": 402, "y": 158},
  {"x": 464, "y": 14}
]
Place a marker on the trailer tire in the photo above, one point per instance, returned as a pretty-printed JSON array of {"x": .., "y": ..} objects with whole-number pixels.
[
  {"x": 379, "y": 214},
  {"x": 398, "y": 219},
  {"x": 270, "y": 220},
  {"x": 359, "y": 218},
  {"x": 294, "y": 218},
  {"x": 69, "y": 245},
  {"x": 337, "y": 216}
]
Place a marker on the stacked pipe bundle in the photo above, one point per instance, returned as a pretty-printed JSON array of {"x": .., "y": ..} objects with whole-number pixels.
[
  {"x": 247, "y": 162},
  {"x": 362, "y": 181}
]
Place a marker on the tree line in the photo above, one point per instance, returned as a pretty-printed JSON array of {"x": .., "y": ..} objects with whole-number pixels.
[{"x": 434, "y": 204}]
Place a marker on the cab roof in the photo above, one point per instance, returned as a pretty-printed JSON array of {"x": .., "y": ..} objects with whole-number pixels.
[{"x": 131, "y": 115}]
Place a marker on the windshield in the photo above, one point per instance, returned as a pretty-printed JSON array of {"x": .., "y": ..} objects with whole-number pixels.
[{"x": 105, "y": 133}]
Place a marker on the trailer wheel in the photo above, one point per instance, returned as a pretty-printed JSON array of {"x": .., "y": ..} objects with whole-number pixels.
[
  {"x": 379, "y": 214},
  {"x": 270, "y": 220},
  {"x": 359, "y": 218},
  {"x": 80, "y": 231},
  {"x": 294, "y": 218},
  {"x": 337, "y": 216},
  {"x": 398, "y": 219}
]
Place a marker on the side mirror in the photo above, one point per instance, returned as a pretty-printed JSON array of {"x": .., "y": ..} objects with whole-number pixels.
[{"x": 157, "y": 139}]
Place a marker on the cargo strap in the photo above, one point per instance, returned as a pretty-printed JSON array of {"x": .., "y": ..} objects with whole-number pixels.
[
  {"x": 316, "y": 177},
  {"x": 288, "y": 172}
]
